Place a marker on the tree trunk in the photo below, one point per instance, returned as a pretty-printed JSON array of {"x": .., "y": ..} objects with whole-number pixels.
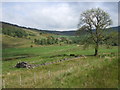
[{"x": 96, "y": 50}]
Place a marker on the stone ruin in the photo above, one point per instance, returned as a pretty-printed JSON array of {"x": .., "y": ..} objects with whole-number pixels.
[
  {"x": 74, "y": 55},
  {"x": 29, "y": 66},
  {"x": 23, "y": 65}
]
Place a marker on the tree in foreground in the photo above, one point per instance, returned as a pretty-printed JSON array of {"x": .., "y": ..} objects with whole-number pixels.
[{"x": 95, "y": 21}]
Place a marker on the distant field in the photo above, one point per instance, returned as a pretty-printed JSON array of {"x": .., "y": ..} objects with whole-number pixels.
[
  {"x": 85, "y": 72},
  {"x": 53, "y": 50}
]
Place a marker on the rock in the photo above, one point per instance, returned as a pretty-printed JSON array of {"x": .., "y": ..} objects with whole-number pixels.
[
  {"x": 72, "y": 54},
  {"x": 60, "y": 60},
  {"x": 106, "y": 57},
  {"x": 83, "y": 56},
  {"x": 8, "y": 73},
  {"x": 29, "y": 66},
  {"x": 23, "y": 65},
  {"x": 76, "y": 56}
]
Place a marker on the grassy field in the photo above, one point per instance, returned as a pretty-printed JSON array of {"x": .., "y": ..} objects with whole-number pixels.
[{"x": 84, "y": 72}]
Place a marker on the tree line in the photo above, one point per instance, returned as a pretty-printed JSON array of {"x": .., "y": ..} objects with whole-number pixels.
[{"x": 52, "y": 40}]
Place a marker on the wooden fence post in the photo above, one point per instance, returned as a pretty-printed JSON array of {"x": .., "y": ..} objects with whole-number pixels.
[
  {"x": 49, "y": 73},
  {"x": 20, "y": 80},
  {"x": 3, "y": 84},
  {"x": 34, "y": 77}
]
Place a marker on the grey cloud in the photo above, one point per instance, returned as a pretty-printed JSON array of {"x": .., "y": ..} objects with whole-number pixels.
[
  {"x": 54, "y": 16},
  {"x": 59, "y": 0}
]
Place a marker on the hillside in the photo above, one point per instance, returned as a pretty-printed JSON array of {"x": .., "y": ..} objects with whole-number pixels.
[
  {"x": 67, "y": 33},
  {"x": 70, "y": 32},
  {"x": 17, "y": 36}
]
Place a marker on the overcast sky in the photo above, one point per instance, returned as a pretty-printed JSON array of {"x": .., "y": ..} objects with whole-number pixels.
[{"x": 53, "y": 15}]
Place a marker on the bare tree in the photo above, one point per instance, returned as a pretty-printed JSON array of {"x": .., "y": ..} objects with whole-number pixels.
[{"x": 95, "y": 21}]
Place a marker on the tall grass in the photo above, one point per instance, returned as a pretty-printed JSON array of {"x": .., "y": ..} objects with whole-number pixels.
[{"x": 89, "y": 72}]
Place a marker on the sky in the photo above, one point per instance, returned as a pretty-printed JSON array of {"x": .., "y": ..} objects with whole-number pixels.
[{"x": 59, "y": 16}]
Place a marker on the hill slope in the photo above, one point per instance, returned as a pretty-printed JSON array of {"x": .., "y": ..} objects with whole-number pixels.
[
  {"x": 17, "y": 36},
  {"x": 68, "y": 33}
]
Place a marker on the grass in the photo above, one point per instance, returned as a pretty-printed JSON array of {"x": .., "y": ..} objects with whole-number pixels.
[
  {"x": 89, "y": 72},
  {"x": 9, "y": 42},
  {"x": 85, "y": 73},
  {"x": 52, "y": 50},
  {"x": 43, "y": 50}
]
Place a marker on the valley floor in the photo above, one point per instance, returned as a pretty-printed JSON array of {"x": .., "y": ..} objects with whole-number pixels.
[{"x": 84, "y": 72}]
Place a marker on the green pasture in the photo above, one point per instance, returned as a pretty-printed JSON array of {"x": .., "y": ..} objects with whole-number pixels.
[
  {"x": 53, "y": 50},
  {"x": 88, "y": 72}
]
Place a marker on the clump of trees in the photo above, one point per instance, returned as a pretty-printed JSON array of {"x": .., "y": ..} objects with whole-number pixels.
[
  {"x": 52, "y": 40},
  {"x": 111, "y": 39},
  {"x": 13, "y": 31}
]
